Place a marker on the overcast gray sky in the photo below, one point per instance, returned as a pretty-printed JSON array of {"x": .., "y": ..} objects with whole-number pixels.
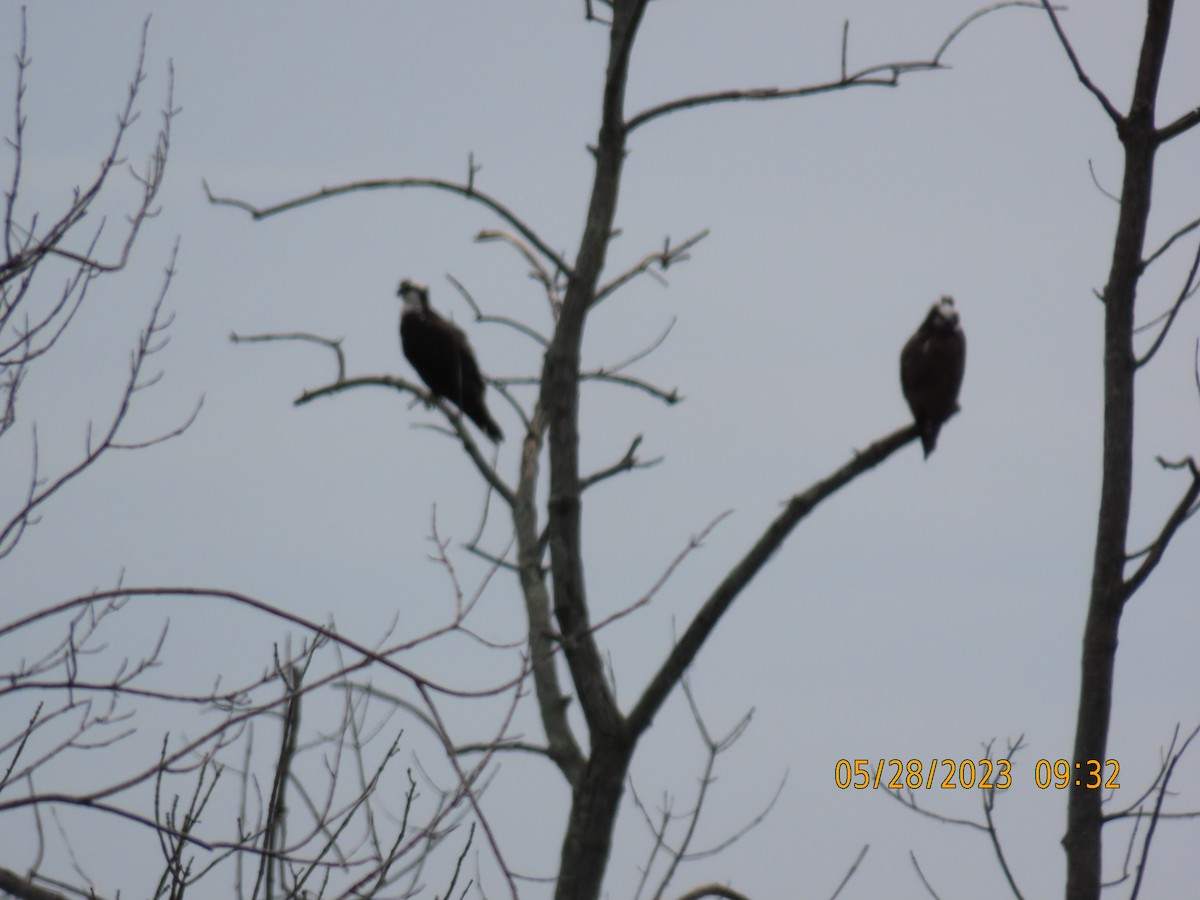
[{"x": 931, "y": 606}]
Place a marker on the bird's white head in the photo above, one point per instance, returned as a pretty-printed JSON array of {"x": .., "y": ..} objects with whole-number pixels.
[
  {"x": 944, "y": 312},
  {"x": 415, "y": 296}
]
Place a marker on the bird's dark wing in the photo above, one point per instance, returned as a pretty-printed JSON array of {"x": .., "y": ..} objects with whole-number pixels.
[
  {"x": 443, "y": 358},
  {"x": 931, "y": 372},
  {"x": 434, "y": 347}
]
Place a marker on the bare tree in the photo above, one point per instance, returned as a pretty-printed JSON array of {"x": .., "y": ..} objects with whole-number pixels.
[
  {"x": 559, "y": 616},
  {"x": 318, "y": 814},
  {"x": 66, "y": 698},
  {"x": 1118, "y": 572},
  {"x": 321, "y": 808},
  {"x": 304, "y": 817},
  {"x": 1141, "y": 136},
  {"x": 34, "y": 315}
]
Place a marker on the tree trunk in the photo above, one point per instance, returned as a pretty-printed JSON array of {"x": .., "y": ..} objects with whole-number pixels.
[
  {"x": 1137, "y": 133},
  {"x": 594, "y": 806},
  {"x": 596, "y": 796}
]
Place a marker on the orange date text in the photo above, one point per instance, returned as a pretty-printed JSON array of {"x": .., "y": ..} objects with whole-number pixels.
[
  {"x": 1089, "y": 773},
  {"x": 914, "y": 774}
]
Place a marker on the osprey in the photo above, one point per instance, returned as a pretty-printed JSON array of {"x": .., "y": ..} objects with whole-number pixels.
[
  {"x": 442, "y": 357},
  {"x": 931, "y": 370}
]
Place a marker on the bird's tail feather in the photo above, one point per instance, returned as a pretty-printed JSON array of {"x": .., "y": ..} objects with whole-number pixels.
[
  {"x": 486, "y": 424},
  {"x": 929, "y": 437}
]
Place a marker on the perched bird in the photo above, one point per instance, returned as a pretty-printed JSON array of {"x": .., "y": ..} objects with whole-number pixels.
[
  {"x": 931, "y": 370},
  {"x": 442, "y": 357}
]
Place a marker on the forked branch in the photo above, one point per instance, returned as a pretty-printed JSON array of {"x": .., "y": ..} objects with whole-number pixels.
[
  {"x": 1168, "y": 770},
  {"x": 1166, "y": 245},
  {"x": 152, "y": 338},
  {"x": 551, "y": 282},
  {"x": 879, "y": 75},
  {"x": 1188, "y": 289},
  {"x": 683, "y": 853},
  {"x": 665, "y": 258},
  {"x": 458, "y": 428},
  {"x": 907, "y": 798},
  {"x": 1182, "y": 512},
  {"x": 626, "y": 463},
  {"x": 512, "y": 323}
]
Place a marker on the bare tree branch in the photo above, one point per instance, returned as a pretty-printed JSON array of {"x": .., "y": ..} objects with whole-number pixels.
[
  {"x": 862, "y": 854},
  {"x": 520, "y": 327},
  {"x": 334, "y": 344},
  {"x": 30, "y": 329},
  {"x": 989, "y": 804},
  {"x": 24, "y": 251},
  {"x": 908, "y": 799},
  {"x": 664, "y": 258},
  {"x": 1186, "y": 291},
  {"x": 1182, "y": 232},
  {"x": 551, "y": 282},
  {"x": 670, "y": 397},
  {"x": 1133, "y": 810},
  {"x": 14, "y": 884},
  {"x": 714, "y": 747},
  {"x": 466, "y": 781},
  {"x": 175, "y": 828},
  {"x": 367, "y": 655},
  {"x": 589, "y": 13},
  {"x": 1162, "y": 792},
  {"x": 468, "y": 191},
  {"x": 562, "y": 746},
  {"x": 694, "y": 542},
  {"x": 277, "y": 805},
  {"x": 643, "y": 353},
  {"x": 1186, "y": 122},
  {"x": 626, "y": 463},
  {"x": 1183, "y": 510},
  {"x": 1104, "y": 191},
  {"x": 988, "y": 826},
  {"x": 879, "y": 75},
  {"x": 924, "y": 881},
  {"x": 1113, "y": 113},
  {"x": 684, "y": 652},
  {"x": 150, "y": 341},
  {"x": 458, "y": 426}
]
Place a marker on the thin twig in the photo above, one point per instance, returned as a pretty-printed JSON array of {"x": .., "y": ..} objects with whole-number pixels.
[
  {"x": 862, "y": 854},
  {"x": 334, "y": 344},
  {"x": 1113, "y": 113},
  {"x": 1096, "y": 181},
  {"x": 1162, "y": 792},
  {"x": 1184, "y": 293},
  {"x": 626, "y": 463},
  {"x": 916, "y": 865},
  {"x": 520, "y": 327},
  {"x": 665, "y": 258},
  {"x": 1154, "y": 553}
]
